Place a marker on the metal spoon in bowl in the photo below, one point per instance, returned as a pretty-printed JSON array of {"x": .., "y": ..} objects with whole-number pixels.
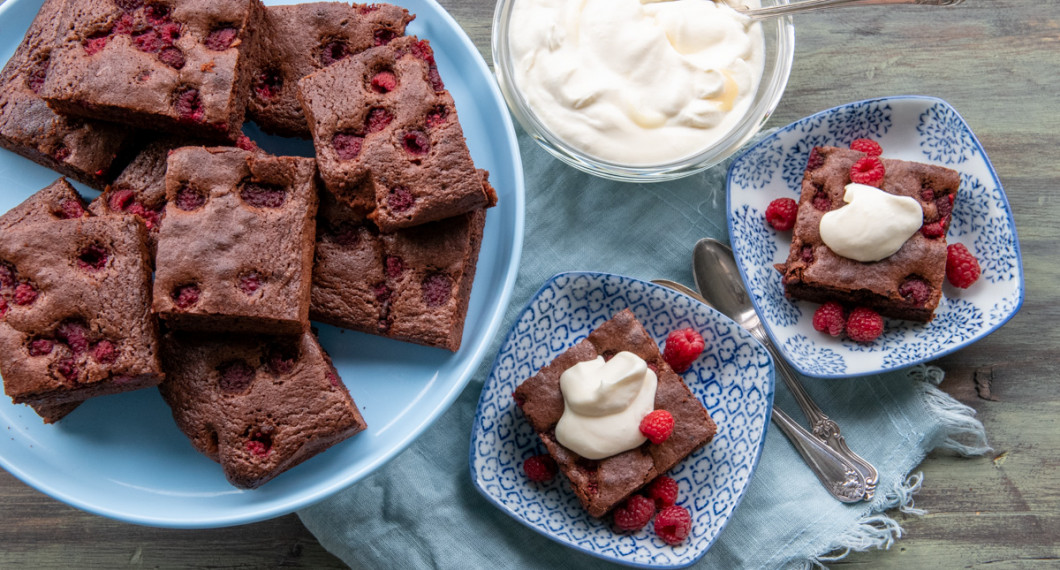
[
  {"x": 837, "y": 473},
  {"x": 718, "y": 280},
  {"x": 811, "y": 5}
]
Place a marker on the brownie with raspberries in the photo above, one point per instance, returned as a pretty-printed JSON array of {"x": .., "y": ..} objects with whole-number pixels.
[
  {"x": 235, "y": 252},
  {"x": 75, "y": 301},
  {"x": 258, "y": 405},
  {"x": 387, "y": 137},
  {"x": 56, "y": 201},
  {"x": 304, "y": 38},
  {"x": 908, "y": 284},
  {"x": 179, "y": 66},
  {"x": 603, "y": 484},
  {"x": 84, "y": 150},
  {"x": 413, "y": 284}
]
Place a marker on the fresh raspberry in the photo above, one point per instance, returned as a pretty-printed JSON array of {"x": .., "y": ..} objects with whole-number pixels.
[
  {"x": 92, "y": 258},
  {"x": 333, "y": 52},
  {"x": 915, "y": 290},
  {"x": 634, "y": 513},
  {"x": 189, "y": 198},
  {"x": 70, "y": 209},
  {"x": 867, "y": 146},
  {"x": 235, "y": 376},
  {"x": 384, "y": 82},
  {"x": 378, "y": 119},
  {"x": 663, "y": 490},
  {"x": 781, "y": 214},
  {"x": 830, "y": 318},
  {"x": 105, "y": 352},
  {"x": 864, "y": 325},
  {"x": 250, "y": 283},
  {"x": 172, "y": 56},
  {"x": 263, "y": 195},
  {"x": 399, "y": 199},
  {"x": 221, "y": 39},
  {"x": 540, "y": 468},
  {"x": 383, "y": 37},
  {"x": 437, "y": 116},
  {"x": 416, "y": 143},
  {"x": 437, "y": 288},
  {"x": 673, "y": 524},
  {"x": 867, "y": 170},
  {"x": 683, "y": 347},
  {"x": 185, "y": 296},
  {"x": 962, "y": 268},
  {"x": 657, "y": 426},
  {"x": 25, "y": 294},
  {"x": 347, "y": 145},
  {"x": 40, "y": 347}
]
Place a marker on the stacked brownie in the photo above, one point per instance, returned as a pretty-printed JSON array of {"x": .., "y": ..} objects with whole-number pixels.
[{"x": 905, "y": 285}]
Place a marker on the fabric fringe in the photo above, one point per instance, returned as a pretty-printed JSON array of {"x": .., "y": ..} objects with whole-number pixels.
[{"x": 960, "y": 432}]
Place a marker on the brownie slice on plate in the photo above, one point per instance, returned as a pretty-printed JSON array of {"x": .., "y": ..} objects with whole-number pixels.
[
  {"x": 235, "y": 251},
  {"x": 387, "y": 137},
  {"x": 84, "y": 150},
  {"x": 906, "y": 285},
  {"x": 258, "y": 405},
  {"x": 602, "y": 484}
]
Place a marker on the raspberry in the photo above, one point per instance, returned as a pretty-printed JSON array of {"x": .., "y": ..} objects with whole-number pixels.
[
  {"x": 383, "y": 37},
  {"x": 105, "y": 352},
  {"x": 70, "y": 209},
  {"x": 806, "y": 253},
  {"x": 149, "y": 41},
  {"x": 124, "y": 25},
  {"x": 867, "y": 146},
  {"x": 189, "y": 198},
  {"x": 235, "y": 376},
  {"x": 260, "y": 442},
  {"x": 347, "y": 145},
  {"x": 384, "y": 81},
  {"x": 333, "y": 378},
  {"x": 95, "y": 43},
  {"x": 244, "y": 143},
  {"x": 269, "y": 84},
  {"x": 399, "y": 199},
  {"x": 395, "y": 266},
  {"x": 962, "y": 269},
  {"x": 121, "y": 200},
  {"x": 36, "y": 76},
  {"x": 933, "y": 230},
  {"x": 221, "y": 38},
  {"x": 7, "y": 276},
  {"x": 436, "y": 79},
  {"x": 437, "y": 288},
  {"x": 781, "y": 214},
  {"x": 3, "y": 307},
  {"x": 822, "y": 201},
  {"x": 333, "y": 52},
  {"x": 540, "y": 468},
  {"x": 683, "y": 347},
  {"x": 185, "y": 296},
  {"x": 864, "y": 325},
  {"x": 634, "y": 513},
  {"x": 377, "y": 120},
  {"x": 189, "y": 105},
  {"x": 815, "y": 161},
  {"x": 829, "y": 318},
  {"x": 92, "y": 257},
  {"x": 25, "y": 294},
  {"x": 39, "y": 347},
  {"x": 281, "y": 359},
  {"x": 263, "y": 195},
  {"x": 867, "y": 170},
  {"x": 657, "y": 426},
  {"x": 673, "y": 524},
  {"x": 157, "y": 13},
  {"x": 915, "y": 290},
  {"x": 74, "y": 334},
  {"x": 663, "y": 490},
  {"x": 437, "y": 116},
  {"x": 416, "y": 143},
  {"x": 68, "y": 368},
  {"x": 250, "y": 283},
  {"x": 172, "y": 57}
]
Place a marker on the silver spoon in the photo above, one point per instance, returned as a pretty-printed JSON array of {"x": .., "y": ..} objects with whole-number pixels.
[
  {"x": 811, "y": 5},
  {"x": 718, "y": 279},
  {"x": 837, "y": 473}
]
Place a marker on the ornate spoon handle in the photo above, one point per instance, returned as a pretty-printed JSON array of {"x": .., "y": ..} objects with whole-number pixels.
[
  {"x": 835, "y": 472},
  {"x": 810, "y": 5}
]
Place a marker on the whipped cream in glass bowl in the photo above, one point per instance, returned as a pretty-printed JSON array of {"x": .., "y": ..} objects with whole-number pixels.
[{"x": 640, "y": 90}]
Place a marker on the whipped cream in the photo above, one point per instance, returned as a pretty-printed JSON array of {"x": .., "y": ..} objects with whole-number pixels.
[
  {"x": 604, "y": 403},
  {"x": 635, "y": 82},
  {"x": 873, "y": 225}
]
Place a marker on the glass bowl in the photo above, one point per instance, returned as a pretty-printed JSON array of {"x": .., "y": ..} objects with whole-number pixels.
[{"x": 779, "y": 35}]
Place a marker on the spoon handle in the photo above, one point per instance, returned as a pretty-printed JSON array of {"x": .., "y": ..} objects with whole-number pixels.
[
  {"x": 810, "y": 5},
  {"x": 835, "y": 472}
]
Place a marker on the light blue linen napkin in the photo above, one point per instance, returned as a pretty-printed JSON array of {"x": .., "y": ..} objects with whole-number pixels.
[{"x": 422, "y": 510}]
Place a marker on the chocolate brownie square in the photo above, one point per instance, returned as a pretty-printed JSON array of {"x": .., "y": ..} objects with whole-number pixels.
[
  {"x": 75, "y": 318},
  {"x": 412, "y": 285},
  {"x": 235, "y": 251},
  {"x": 81, "y": 149},
  {"x": 387, "y": 137},
  {"x": 906, "y": 285},
  {"x": 181, "y": 66},
  {"x": 602, "y": 484},
  {"x": 258, "y": 405},
  {"x": 56, "y": 201},
  {"x": 304, "y": 38}
]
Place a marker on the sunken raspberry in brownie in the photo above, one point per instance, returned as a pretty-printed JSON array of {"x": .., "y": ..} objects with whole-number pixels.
[
  {"x": 258, "y": 405},
  {"x": 56, "y": 201},
  {"x": 180, "y": 66},
  {"x": 304, "y": 38},
  {"x": 906, "y": 285},
  {"x": 602, "y": 484},
  {"x": 412, "y": 285},
  {"x": 84, "y": 150},
  {"x": 387, "y": 137},
  {"x": 235, "y": 252},
  {"x": 76, "y": 317}
]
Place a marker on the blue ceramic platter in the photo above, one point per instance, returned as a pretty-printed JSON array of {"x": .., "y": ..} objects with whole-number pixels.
[
  {"x": 123, "y": 456},
  {"x": 733, "y": 379},
  {"x": 921, "y": 129}
]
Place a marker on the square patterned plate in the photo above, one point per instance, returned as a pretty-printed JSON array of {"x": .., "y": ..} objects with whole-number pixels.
[
  {"x": 922, "y": 129},
  {"x": 733, "y": 378}
]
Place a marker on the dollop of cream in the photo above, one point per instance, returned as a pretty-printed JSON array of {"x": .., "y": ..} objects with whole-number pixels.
[
  {"x": 604, "y": 403},
  {"x": 636, "y": 82},
  {"x": 873, "y": 225}
]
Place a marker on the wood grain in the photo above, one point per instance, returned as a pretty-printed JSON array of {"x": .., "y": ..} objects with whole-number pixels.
[{"x": 998, "y": 63}]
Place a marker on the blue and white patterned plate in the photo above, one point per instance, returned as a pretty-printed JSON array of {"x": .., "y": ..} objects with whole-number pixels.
[
  {"x": 922, "y": 129},
  {"x": 733, "y": 379}
]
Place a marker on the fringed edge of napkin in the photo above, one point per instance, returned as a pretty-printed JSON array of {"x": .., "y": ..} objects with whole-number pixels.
[{"x": 959, "y": 432}]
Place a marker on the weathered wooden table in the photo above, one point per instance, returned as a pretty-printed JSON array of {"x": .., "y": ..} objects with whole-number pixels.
[{"x": 998, "y": 63}]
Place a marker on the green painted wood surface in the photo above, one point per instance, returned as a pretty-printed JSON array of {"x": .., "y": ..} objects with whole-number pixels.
[{"x": 998, "y": 63}]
